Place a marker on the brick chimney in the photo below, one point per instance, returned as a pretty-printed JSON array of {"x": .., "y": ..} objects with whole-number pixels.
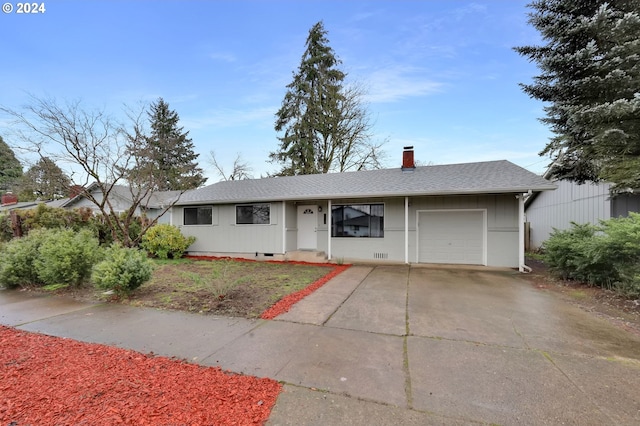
[
  {"x": 75, "y": 190},
  {"x": 408, "y": 163},
  {"x": 9, "y": 198}
]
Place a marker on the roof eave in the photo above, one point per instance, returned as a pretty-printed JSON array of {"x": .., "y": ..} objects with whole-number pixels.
[{"x": 311, "y": 197}]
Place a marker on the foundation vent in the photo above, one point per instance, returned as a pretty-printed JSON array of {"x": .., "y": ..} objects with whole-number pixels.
[{"x": 380, "y": 255}]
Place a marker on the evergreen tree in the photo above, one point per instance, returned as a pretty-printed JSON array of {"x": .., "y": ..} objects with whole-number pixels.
[
  {"x": 44, "y": 180},
  {"x": 167, "y": 156},
  {"x": 324, "y": 125},
  {"x": 10, "y": 168},
  {"x": 590, "y": 78}
]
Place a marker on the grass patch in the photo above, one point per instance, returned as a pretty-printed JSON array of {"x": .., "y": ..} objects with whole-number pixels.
[
  {"x": 55, "y": 287},
  {"x": 578, "y": 294},
  {"x": 223, "y": 287}
]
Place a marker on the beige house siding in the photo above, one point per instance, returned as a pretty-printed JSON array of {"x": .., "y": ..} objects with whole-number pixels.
[
  {"x": 225, "y": 237},
  {"x": 587, "y": 203}
]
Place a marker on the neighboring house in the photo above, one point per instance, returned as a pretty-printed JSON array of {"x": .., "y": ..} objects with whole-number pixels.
[
  {"x": 121, "y": 200},
  {"x": 10, "y": 202},
  {"x": 586, "y": 203},
  {"x": 460, "y": 213}
]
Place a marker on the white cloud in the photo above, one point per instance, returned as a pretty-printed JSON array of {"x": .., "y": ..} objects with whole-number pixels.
[
  {"x": 223, "y": 56},
  {"x": 227, "y": 117},
  {"x": 396, "y": 83}
]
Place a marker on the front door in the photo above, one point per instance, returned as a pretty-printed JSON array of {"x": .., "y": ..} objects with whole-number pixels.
[{"x": 307, "y": 226}]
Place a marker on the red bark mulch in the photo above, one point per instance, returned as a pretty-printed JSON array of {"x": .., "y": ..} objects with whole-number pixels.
[
  {"x": 47, "y": 380},
  {"x": 284, "y": 304}
]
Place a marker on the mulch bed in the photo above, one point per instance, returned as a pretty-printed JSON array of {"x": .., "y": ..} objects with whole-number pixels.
[{"x": 47, "y": 380}]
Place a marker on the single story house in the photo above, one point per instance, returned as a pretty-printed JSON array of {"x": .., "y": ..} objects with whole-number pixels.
[
  {"x": 469, "y": 213},
  {"x": 586, "y": 203},
  {"x": 10, "y": 202},
  {"x": 121, "y": 199}
]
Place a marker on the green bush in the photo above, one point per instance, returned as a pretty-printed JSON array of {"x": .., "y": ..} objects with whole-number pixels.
[
  {"x": 122, "y": 270},
  {"x": 47, "y": 217},
  {"x": 17, "y": 259},
  {"x": 66, "y": 257},
  {"x": 6, "y": 232},
  {"x": 104, "y": 232},
  {"x": 165, "y": 241},
  {"x": 620, "y": 247},
  {"x": 569, "y": 252},
  {"x": 607, "y": 255}
]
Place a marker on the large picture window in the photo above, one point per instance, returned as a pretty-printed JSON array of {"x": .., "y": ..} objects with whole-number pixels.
[
  {"x": 253, "y": 214},
  {"x": 357, "y": 220},
  {"x": 198, "y": 215}
]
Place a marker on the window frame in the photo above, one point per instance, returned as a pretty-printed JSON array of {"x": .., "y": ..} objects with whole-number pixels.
[
  {"x": 334, "y": 226},
  {"x": 197, "y": 208},
  {"x": 253, "y": 205}
]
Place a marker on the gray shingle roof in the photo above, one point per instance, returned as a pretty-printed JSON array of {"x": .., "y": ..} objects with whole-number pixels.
[
  {"x": 156, "y": 200},
  {"x": 452, "y": 179}
]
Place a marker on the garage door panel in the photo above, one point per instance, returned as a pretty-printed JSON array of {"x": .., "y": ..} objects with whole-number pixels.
[{"x": 451, "y": 237}]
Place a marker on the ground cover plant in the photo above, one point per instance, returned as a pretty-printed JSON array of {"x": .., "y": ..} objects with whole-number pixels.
[{"x": 47, "y": 380}]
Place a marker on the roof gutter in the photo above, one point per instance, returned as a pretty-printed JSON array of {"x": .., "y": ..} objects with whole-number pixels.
[{"x": 183, "y": 202}]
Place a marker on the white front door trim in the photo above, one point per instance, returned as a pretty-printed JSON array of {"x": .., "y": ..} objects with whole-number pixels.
[{"x": 307, "y": 227}]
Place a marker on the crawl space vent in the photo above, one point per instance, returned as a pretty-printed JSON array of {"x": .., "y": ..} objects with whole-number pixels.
[{"x": 380, "y": 255}]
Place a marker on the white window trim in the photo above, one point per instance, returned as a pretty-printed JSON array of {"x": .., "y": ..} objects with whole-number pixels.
[
  {"x": 235, "y": 214},
  {"x": 196, "y": 207}
]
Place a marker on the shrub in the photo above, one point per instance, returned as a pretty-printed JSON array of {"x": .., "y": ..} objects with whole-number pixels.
[
  {"x": 6, "y": 231},
  {"x": 17, "y": 259},
  {"x": 569, "y": 253},
  {"x": 607, "y": 255},
  {"x": 165, "y": 241},
  {"x": 65, "y": 256},
  {"x": 104, "y": 232},
  {"x": 47, "y": 217},
  {"x": 122, "y": 270},
  {"x": 620, "y": 247}
]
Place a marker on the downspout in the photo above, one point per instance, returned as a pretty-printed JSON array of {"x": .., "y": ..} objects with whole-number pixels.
[
  {"x": 406, "y": 230},
  {"x": 521, "y": 262},
  {"x": 329, "y": 217},
  {"x": 284, "y": 227}
]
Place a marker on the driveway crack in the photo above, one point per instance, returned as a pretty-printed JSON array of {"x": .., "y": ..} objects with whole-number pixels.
[
  {"x": 515, "y": 330},
  {"x": 576, "y": 386},
  {"x": 407, "y": 373}
]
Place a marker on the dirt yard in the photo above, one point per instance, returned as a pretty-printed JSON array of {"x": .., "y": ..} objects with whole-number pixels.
[{"x": 621, "y": 311}]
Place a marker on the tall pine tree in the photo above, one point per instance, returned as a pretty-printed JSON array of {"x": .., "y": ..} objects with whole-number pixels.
[
  {"x": 590, "y": 80},
  {"x": 167, "y": 158},
  {"x": 10, "y": 168},
  {"x": 324, "y": 126}
]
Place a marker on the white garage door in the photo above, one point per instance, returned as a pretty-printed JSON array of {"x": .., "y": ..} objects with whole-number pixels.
[{"x": 451, "y": 237}]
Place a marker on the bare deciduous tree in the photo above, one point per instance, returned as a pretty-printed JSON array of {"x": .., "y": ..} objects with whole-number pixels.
[
  {"x": 240, "y": 169},
  {"x": 95, "y": 149}
]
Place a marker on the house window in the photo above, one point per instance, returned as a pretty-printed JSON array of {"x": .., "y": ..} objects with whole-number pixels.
[
  {"x": 357, "y": 220},
  {"x": 198, "y": 215},
  {"x": 253, "y": 214}
]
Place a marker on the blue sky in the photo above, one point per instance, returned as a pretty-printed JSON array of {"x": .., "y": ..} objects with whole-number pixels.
[{"x": 440, "y": 75}]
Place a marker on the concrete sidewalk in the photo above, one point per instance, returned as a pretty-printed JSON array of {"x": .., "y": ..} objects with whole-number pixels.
[{"x": 391, "y": 345}]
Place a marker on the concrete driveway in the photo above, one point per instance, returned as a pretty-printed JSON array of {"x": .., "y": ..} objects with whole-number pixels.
[{"x": 394, "y": 345}]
